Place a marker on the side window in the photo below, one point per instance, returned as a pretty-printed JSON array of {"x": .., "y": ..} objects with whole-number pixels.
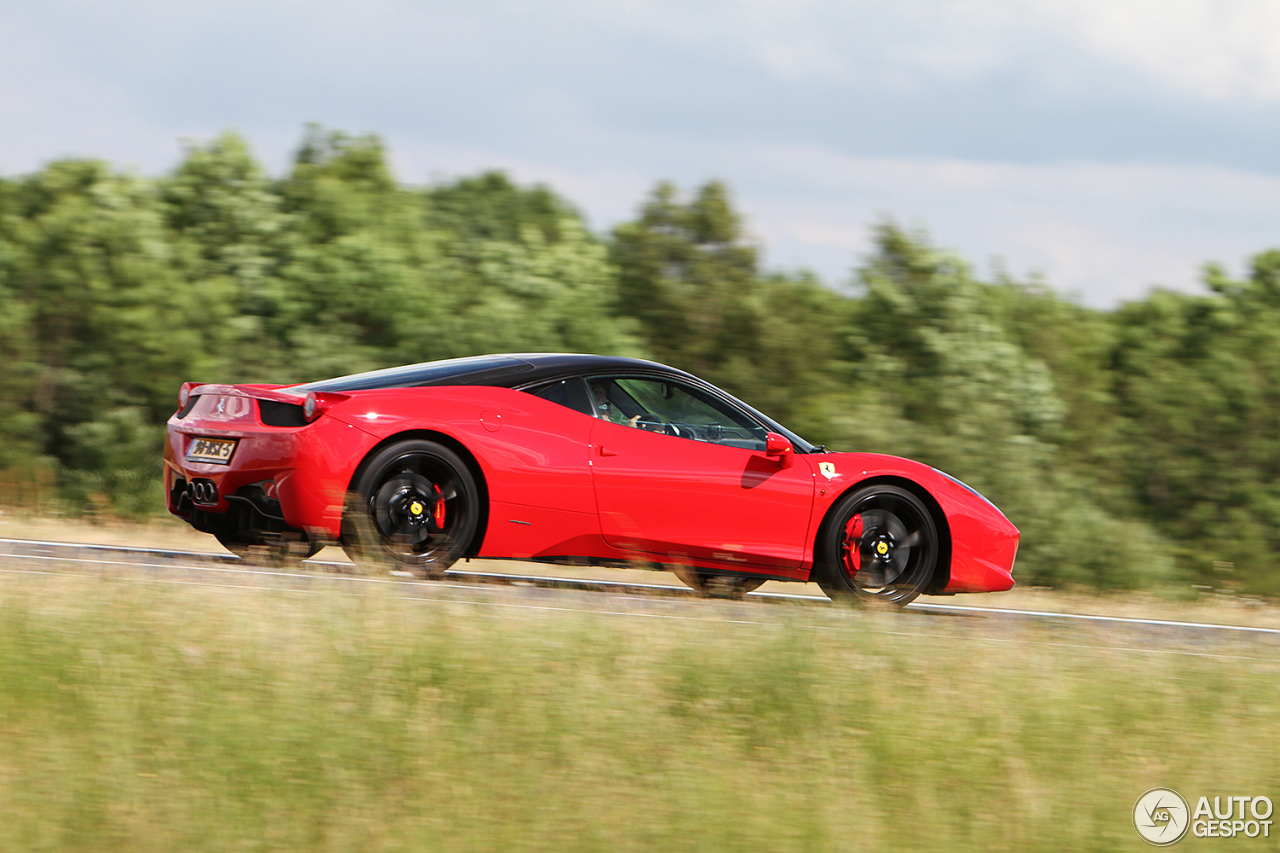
[
  {"x": 566, "y": 392},
  {"x": 673, "y": 408}
]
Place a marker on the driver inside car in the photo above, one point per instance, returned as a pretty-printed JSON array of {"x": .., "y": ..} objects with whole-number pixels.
[{"x": 615, "y": 404}]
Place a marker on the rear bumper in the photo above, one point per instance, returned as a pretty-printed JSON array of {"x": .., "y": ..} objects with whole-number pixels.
[{"x": 277, "y": 480}]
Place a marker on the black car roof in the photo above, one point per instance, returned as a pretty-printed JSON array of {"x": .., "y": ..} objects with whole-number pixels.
[
  {"x": 520, "y": 370},
  {"x": 504, "y": 370}
]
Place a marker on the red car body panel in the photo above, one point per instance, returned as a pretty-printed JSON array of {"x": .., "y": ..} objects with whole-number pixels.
[
  {"x": 983, "y": 542},
  {"x": 661, "y": 494},
  {"x": 564, "y": 484}
]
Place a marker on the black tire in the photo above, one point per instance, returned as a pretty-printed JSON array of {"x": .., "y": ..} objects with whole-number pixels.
[
  {"x": 880, "y": 545},
  {"x": 415, "y": 507}
]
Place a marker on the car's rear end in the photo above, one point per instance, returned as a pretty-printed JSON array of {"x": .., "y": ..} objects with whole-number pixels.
[{"x": 259, "y": 465}]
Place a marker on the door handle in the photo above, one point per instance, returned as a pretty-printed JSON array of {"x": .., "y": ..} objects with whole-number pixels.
[{"x": 604, "y": 452}]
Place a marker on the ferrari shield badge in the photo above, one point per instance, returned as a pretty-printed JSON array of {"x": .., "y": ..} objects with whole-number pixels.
[{"x": 827, "y": 469}]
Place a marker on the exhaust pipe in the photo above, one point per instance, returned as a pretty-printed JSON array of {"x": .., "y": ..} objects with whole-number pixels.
[{"x": 204, "y": 492}]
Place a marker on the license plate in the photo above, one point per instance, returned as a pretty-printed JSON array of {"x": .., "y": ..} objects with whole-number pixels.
[{"x": 215, "y": 450}]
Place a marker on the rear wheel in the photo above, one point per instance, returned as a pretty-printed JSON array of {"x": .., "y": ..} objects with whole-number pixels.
[
  {"x": 415, "y": 507},
  {"x": 881, "y": 545}
]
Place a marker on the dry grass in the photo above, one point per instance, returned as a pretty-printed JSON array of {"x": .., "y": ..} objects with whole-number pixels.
[
  {"x": 165, "y": 532},
  {"x": 147, "y": 717}
]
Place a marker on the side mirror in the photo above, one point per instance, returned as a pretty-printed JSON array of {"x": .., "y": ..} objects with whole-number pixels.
[{"x": 777, "y": 447}]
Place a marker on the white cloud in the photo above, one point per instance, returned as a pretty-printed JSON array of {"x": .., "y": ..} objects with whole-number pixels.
[
  {"x": 52, "y": 111},
  {"x": 81, "y": 78},
  {"x": 1210, "y": 48},
  {"x": 1108, "y": 232},
  {"x": 899, "y": 43}
]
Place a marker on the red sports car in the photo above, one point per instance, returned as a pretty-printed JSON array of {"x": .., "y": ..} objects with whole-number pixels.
[{"x": 576, "y": 459}]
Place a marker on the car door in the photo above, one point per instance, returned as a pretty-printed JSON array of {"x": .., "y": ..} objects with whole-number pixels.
[{"x": 681, "y": 473}]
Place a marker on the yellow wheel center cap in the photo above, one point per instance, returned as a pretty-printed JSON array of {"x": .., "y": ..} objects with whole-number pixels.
[
  {"x": 882, "y": 548},
  {"x": 416, "y": 508}
]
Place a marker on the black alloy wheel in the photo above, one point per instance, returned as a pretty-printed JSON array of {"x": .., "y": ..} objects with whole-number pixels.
[
  {"x": 415, "y": 506},
  {"x": 880, "y": 545}
]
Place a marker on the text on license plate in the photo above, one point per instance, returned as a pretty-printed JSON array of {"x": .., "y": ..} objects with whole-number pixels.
[{"x": 217, "y": 450}]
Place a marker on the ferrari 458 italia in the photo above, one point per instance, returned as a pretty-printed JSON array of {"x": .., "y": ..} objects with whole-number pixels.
[{"x": 575, "y": 459}]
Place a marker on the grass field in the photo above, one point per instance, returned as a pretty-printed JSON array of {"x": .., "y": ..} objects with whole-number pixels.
[{"x": 169, "y": 718}]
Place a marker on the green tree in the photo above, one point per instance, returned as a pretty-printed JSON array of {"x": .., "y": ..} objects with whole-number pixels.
[
  {"x": 102, "y": 289},
  {"x": 231, "y": 235},
  {"x": 532, "y": 295},
  {"x": 686, "y": 272},
  {"x": 1113, "y": 439},
  {"x": 1197, "y": 379},
  {"x": 490, "y": 207},
  {"x": 941, "y": 379},
  {"x": 383, "y": 274},
  {"x": 364, "y": 275},
  {"x": 526, "y": 273},
  {"x": 690, "y": 276},
  {"x": 19, "y": 424}
]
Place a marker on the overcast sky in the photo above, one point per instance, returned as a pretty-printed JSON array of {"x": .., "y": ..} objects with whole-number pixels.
[{"x": 1107, "y": 145}]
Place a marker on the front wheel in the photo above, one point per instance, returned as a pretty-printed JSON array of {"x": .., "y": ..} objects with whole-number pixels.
[
  {"x": 881, "y": 545},
  {"x": 414, "y": 506}
]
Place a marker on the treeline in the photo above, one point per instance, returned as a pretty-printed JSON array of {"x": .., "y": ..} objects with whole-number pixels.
[{"x": 1133, "y": 447}]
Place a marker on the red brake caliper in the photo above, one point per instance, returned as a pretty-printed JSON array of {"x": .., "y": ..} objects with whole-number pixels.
[
  {"x": 439, "y": 510},
  {"x": 852, "y": 544}
]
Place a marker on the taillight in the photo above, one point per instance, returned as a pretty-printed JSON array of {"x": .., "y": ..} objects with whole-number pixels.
[
  {"x": 317, "y": 403},
  {"x": 187, "y": 400}
]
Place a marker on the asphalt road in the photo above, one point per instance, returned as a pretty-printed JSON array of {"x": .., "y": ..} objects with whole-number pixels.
[{"x": 1000, "y": 628}]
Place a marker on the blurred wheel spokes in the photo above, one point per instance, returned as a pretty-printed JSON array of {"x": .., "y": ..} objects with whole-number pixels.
[
  {"x": 421, "y": 509},
  {"x": 401, "y": 509},
  {"x": 883, "y": 546}
]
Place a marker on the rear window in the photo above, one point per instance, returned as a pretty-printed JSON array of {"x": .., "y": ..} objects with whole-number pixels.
[
  {"x": 567, "y": 392},
  {"x": 475, "y": 370}
]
